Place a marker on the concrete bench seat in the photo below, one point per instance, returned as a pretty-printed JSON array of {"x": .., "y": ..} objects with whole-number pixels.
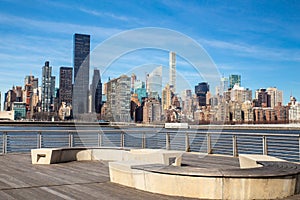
[
  {"x": 66, "y": 154},
  {"x": 58, "y": 155},
  {"x": 271, "y": 179},
  {"x": 160, "y": 171}
]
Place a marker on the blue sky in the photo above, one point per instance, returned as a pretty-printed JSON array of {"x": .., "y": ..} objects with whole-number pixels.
[{"x": 258, "y": 39}]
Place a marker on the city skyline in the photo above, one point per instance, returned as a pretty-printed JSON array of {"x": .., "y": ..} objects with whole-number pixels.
[{"x": 253, "y": 39}]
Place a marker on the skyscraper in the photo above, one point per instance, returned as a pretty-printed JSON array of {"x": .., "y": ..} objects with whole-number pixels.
[
  {"x": 48, "y": 88},
  {"x": 96, "y": 92},
  {"x": 118, "y": 99},
  {"x": 223, "y": 85},
  {"x": 172, "y": 65},
  {"x": 276, "y": 96},
  {"x": 133, "y": 80},
  {"x": 81, "y": 73},
  {"x": 152, "y": 111},
  {"x": 65, "y": 85},
  {"x": 31, "y": 95},
  {"x": 154, "y": 83},
  {"x": 166, "y": 97},
  {"x": 234, "y": 79},
  {"x": 201, "y": 90},
  {"x": 263, "y": 98},
  {"x": 240, "y": 94}
]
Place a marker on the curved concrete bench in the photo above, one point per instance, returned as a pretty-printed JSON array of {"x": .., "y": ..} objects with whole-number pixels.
[
  {"x": 59, "y": 155},
  {"x": 159, "y": 171},
  {"x": 274, "y": 179}
]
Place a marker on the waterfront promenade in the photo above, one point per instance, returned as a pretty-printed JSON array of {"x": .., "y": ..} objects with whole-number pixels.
[{"x": 19, "y": 179}]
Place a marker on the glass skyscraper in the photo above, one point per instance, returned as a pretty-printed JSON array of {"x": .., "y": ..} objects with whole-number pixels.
[
  {"x": 154, "y": 83},
  {"x": 234, "y": 79},
  {"x": 96, "y": 92},
  {"x": 201, "y": 90},
  {"x": 81, "y": 73}
]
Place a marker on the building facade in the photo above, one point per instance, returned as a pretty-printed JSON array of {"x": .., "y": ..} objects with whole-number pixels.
[
  {"x": 166, "y": 97},
  {"x": 48, "y": 88},
  {"x": 262, "y": 98},
  {"x": 81, "y": 73},
  {"x": 65, "y": 85},
  {"x": 201, "y": 90},
  {"x": 117, "y": 106},
  {"x": 235, "y": 79},
  {"x": 276, "y": 96},
  {"x": 240, "y": 94},
  {"x": 172, "y": 73},
  {"x": 96, "y": 92},
  {"x": 154, "y": 83},
  {"x": 151, "y": 111},
  {"x": 19, "y": 109}
]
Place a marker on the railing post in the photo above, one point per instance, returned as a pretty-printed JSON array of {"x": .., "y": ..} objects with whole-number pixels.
[
  {"x": 168, "y": 146},
  {"x": 122, "y": 139},
  {"x": 234, "y": 146},
  {"x": 39, "y": 138},
  {"x": 4, "y": 147},
  {"x": 71, "y": 139},
  {"x": 99, "y": 139},
  {"x": 187, "y": 143},
  {"x": 144, "y": 141},
  {"x": 265, "y": 145},
  {"x": 209, "y": 150},
  {"x": 299, "y": 148}
]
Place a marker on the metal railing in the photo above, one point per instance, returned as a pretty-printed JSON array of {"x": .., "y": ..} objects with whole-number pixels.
[{"x": 282, "y": 145}]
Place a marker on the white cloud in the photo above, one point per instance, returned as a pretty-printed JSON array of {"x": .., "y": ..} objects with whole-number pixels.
[
  {"x": 254, "y": 51},
  {"x": 106, "y": 14},
  {"x": 56, "y": 27}
]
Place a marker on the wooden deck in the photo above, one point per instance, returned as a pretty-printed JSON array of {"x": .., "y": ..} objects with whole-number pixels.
[{"x": 19, "y": 179}]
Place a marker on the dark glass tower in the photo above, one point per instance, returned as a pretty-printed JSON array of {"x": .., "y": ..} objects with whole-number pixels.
[
  {"x": 96, "y": 92},
  {"x": 201, "y": 90},
  {"x": 48, "y": 88},
  {"x": 65, "y": 85},
  {"x": 234, "y": 79},
  {"x": 81, "y": 73}
]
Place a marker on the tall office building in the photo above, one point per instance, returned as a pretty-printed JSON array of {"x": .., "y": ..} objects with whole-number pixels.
[
  {"x": 223, "y": 86},
  {"x": 48, "y": 88},
  {"x": 152, "y": 111},
  {"x": 81, "y": 73},
  {"x": 172, "y": 73},
  {"x": 240, "y": 94},
  {"x": 234, "y": 79},
  {"x": 118, "y": 99},
  {"x": 65, "y": 85},
  {"x": 9, "y": 99},
  {"x": 133, "y": 80},
  {"x": 154, "y": 83},
  {"x": 166, "y": 97},
  {"x": 276, "y": 96},
  {"x": 140, "y": 90},
  {"x": 96, "y": 92},
  {"x": 30, "y": 95},
  {"x": 201, "y": 90},
  {"x": 262, "y": 98}
]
